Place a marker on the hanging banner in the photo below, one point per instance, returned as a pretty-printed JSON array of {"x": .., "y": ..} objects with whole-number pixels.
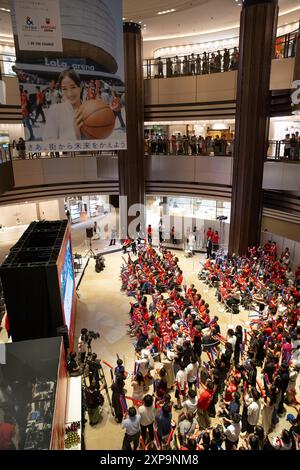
[
  {"x": 38, "y": 25},
  {"x": 74, "y": 100}
]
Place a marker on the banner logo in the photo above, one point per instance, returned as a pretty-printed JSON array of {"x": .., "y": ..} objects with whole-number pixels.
[{"x": 295, "y": 96}]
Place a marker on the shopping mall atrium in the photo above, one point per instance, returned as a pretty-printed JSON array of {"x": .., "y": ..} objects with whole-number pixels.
[{"x": 150, "y": 225}]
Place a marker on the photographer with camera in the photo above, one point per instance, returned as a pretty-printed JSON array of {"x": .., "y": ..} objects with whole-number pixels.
[{"x": 93, "y": 368}]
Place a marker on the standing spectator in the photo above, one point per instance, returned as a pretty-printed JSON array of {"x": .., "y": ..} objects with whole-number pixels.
[
  {"x": 169, "y": 67},
  {"x": 239, "y": 341},
  {"x": 163, "y": 422},
  {"x": 174, "y": 144},
  {"x": 203, "y": 404},
  {"x": 287, "y": 146},
  {"x": 193, "y": 64},
  {"x": 177, "y": 66},
  {"x": 186, "y": 428},
  {"x": 112, "y": 237},
  {"x": 293, "y": 144},
  {"x": 160, "y": 65},
  {"x": 192, "y": 372},
  {"x": 147, "y": 413},
  {"x": 215, "y": 241},
  {"x": 252, "y": 403},
  {"x": 173, "y": 239},
  {"x": 209, "y": 246},
  {"x": 205, "y": 64},
  {"x": 198, "y": 64},
  {"x": 116, "y": 106},
  {"x": 226, "y": 60},
  {"x": 232, "y": 432},
  {"x": 212, "y": 63},
  {"x": 185, "y": 66},
  {"x": 39, "y": 97},
  {"x": 160, "y": 231},
  {"x": 131, "y": 424},
  {"x": 68, "y": 214},
  {"x": 218, "y": 61},
  {"x": 209, "y": 233},
  {"x": 149, "y": 234},
  {"x": 268, "y": 408},
  {"x": 234, "y": 59}
]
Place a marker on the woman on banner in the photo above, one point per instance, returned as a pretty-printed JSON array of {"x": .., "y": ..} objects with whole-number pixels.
[{"x": 64, "y": 120}]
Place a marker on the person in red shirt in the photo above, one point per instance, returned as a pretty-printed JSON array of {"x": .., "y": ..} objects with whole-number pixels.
[
  {"x": 204, "y": 400},
  {"x": 215, "y": 240},
  {"x": 209, "y": 233},
  {"x": 149, "y": 233},
  {"x": 39, "y": 97},
  {"x": 25, "y": 111}
]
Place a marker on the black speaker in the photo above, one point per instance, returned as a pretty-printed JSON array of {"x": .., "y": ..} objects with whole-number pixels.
[
  {"x": 63, "y": 331},
  {"x": 89, "y": 232}
]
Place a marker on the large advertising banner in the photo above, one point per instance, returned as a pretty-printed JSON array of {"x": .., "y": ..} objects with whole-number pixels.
[{"x": 72, "y": 99}]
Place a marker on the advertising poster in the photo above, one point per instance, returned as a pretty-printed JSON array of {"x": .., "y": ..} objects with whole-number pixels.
[
  {"x": 38, "y": 25},
  {"x": 73, "y": 100}
]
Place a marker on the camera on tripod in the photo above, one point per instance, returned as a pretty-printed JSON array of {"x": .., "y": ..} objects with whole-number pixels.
[{"x": 90, "y": 336}]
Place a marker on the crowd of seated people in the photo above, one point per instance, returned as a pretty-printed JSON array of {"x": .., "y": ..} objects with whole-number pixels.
[
  {"x": 197, "y": 64},
  {"x": 188, "y": 145},
  {"x": 243, "y": 377}
]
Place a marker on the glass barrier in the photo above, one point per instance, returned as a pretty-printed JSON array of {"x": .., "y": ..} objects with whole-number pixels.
[
  {"x": 285, "y": 149},
  {"x": 281, "y": 150},
  {"x": 211, "y": 62}
]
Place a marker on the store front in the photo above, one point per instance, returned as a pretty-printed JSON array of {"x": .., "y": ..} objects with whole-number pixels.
[
  {"x": 186, "y": 214},
  {"x": 82, "y": 208}
]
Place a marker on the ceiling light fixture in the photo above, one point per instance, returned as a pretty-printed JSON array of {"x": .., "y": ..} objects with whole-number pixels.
[
  {"x": 164, "y": 12},
  {"x": 5, "y": 9}
]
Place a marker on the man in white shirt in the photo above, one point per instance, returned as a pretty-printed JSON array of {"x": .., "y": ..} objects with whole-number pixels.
[
  {"x": 252, "y": 402},
  {"x": 147, "y": 412},
  {"x": 180, "y": 384},
  {"x": 232, "y": 432},
  {"x": 190, "y": 405},
  {"x": 231, "y": 338},
  {"x": 131, "y": 424},
  {"x": 192, "y": 372}
]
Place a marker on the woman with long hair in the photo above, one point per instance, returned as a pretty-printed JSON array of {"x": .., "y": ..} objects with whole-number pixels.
[{"x": 64, "y": 120}]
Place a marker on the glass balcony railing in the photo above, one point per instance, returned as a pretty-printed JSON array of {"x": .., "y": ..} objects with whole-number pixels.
[
  {"x": 211, "y": 62},
  {"x": 280, "y": 150}
]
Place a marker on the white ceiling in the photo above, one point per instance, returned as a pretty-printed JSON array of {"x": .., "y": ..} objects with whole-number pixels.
[{"x": 193, "y": 21}]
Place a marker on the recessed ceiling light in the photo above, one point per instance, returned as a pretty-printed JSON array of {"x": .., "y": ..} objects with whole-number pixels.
[
  {"x": 5, "y": 9},
  {"x": 123, "y": 19}
]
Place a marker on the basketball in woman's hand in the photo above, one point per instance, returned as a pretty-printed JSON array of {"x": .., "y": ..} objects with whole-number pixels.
[{"x": 98, "y": 119}]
